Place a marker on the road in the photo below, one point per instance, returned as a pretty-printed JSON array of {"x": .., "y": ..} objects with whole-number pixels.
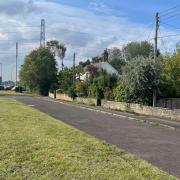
[{"x": 159, "y": 146}]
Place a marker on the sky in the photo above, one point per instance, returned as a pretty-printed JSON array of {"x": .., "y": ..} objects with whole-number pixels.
[{"x": 86, "y": 27}]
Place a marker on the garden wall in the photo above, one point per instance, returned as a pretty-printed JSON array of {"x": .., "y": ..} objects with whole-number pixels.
[
  {"x": 63, "y": 97},
  {"x": 88, "y": 101},
  {"x": 145, "y": 110},
  {"x": 51, "y": 95}
]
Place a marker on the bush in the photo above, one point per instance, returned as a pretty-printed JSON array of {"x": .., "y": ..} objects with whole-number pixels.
[
  {"x": 119, "y": 92},
  {"x": 72, "y": 93},
  {"x": 82, "y": 88},
  {"x": 1, "y": 88},
  {"x": 19, "y": 89}
]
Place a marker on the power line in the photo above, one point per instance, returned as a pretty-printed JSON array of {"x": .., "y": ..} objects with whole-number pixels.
[
  {"x": 170, "y": 9},
  {"x": 171, "y": 17},
  {"x": 167, "y": 24}
]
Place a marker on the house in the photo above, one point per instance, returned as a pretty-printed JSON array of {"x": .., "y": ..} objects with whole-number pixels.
[
  {"x": 107, "y": 67},
  {"x": 101, "y": 65}
]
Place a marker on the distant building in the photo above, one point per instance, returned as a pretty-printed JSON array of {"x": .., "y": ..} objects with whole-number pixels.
[
  {"x": 101, "y": 65},
  {"x": 107, "y": 67}
]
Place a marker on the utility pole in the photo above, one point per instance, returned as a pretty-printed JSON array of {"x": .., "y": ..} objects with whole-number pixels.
[
  {"x": 155, "y": 54},
  {"x": 74, "y": 64},
  {"x": 43, "y": 34},
  {"x": 16, "y": 60},
  {"x": 1, "y": 74},
  {"x": 62, "y": 64}
]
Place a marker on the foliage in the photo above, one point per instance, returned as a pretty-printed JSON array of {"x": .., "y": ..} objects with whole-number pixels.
[
  {"x": 118, "y": 65},
  {"x": 170, "y": 86},
  {"x": 79, "y": 71},
  {"x": 134, "y": 49},
  {"x": 116, "y": 59},
  {"x": 57, "y": 49},
  {"x": 84, "y": 64},
  {"x": 140, "y": 77},
  {"x": 92, "y": 70},
  {"x": 96, "y": 59},
  {"x": 102, "y": 86},
  {"x": 39, "y": 71},
  {"x": 119, "y": 92},
  {"x": 82, "y": 88},
  {"x": 71, "y": 92},
  {"x": 65, "y": 80},
  {"x": 115, "y": 53}
]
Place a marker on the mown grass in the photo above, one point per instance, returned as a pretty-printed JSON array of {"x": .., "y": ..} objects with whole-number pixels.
[
  {"x": 4, "y": 93},
  {"x": 34, "y": 145}
]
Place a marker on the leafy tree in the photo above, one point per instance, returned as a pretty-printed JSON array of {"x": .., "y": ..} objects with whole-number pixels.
[
  {"x": 135, "y": 49},
  {"x": 102, "y": 86},
  {"x": 82, "y": 88},
  {"x": 116, "y": 59},
  {"x": 39, "y": 71},
  {"x": 92, "y": 70},
  {"x": 140, "y": 77},
  {"x": 79, "y": 71},
  {"x": 119, "y": 92},
  {"x": 57, "y": 49},
  {"x": 84, "y": 64},
  {"x": 65, "y": 80},
  {"x": 96, "y": 59},
  {"x": 115, "y": 53},
  {"x": 170, "y": 86}
]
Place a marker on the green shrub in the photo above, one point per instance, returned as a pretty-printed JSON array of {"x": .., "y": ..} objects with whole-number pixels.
[{"x": 119, "y": 92}]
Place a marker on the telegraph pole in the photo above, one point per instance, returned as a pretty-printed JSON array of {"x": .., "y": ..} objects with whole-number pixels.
[
  {"x": 43, "y": 34},
  {"x": 16, "y": 60},
  {"x": 74, "y": 64},
  {"x": 155, "y": 54},
  {"x": 1, "y": 74}
]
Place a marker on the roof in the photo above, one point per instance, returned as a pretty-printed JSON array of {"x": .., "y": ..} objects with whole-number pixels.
[{"x": 107, "y": 67}]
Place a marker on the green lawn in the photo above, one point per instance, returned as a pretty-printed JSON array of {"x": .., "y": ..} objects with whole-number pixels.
[
  {"x": 3, "y": 93},
  {"x": 36, "y": 146}
]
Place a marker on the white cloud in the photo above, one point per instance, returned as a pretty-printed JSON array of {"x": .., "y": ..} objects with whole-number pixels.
[{"x": 83, "y": 31}]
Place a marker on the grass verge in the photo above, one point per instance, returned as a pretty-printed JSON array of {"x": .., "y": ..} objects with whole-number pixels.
[
  {"x": 34, "y": 145},
  {"x": 6, "y": 93}
]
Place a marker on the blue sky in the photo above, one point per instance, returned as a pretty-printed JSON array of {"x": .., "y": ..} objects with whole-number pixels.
[
  {"x": 140, "y": 11},
  {"x": 86, "y": 27}
]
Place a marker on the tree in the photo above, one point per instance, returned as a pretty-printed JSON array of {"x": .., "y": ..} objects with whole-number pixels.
[
  {"x": 92, "y": 70},
  {"x": 84, "y": 64},
  {"x": 116, "y": 59},
  {"x": 65, "y": 80},
  {"x": 57, "y": 49},
  {"x": 115, "y": 53},
  {"x": 96, "y": 59},
  {"x": 82, "y": 88},
  {"x": 170, "y": 86},
  {"x": 102, "y": 86},
  {"x": 140, "y": 77},
  {"x": 135, "y": 49},
  {"x": 39, "y": 71}
]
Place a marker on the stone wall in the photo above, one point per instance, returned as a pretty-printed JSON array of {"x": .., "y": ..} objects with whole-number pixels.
[
  {"x": 51, "y": 95},
  {"x": 145, "y": 110},
  {"x": 63, "y": 97},
  {"x": 88, "y": 101}
]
